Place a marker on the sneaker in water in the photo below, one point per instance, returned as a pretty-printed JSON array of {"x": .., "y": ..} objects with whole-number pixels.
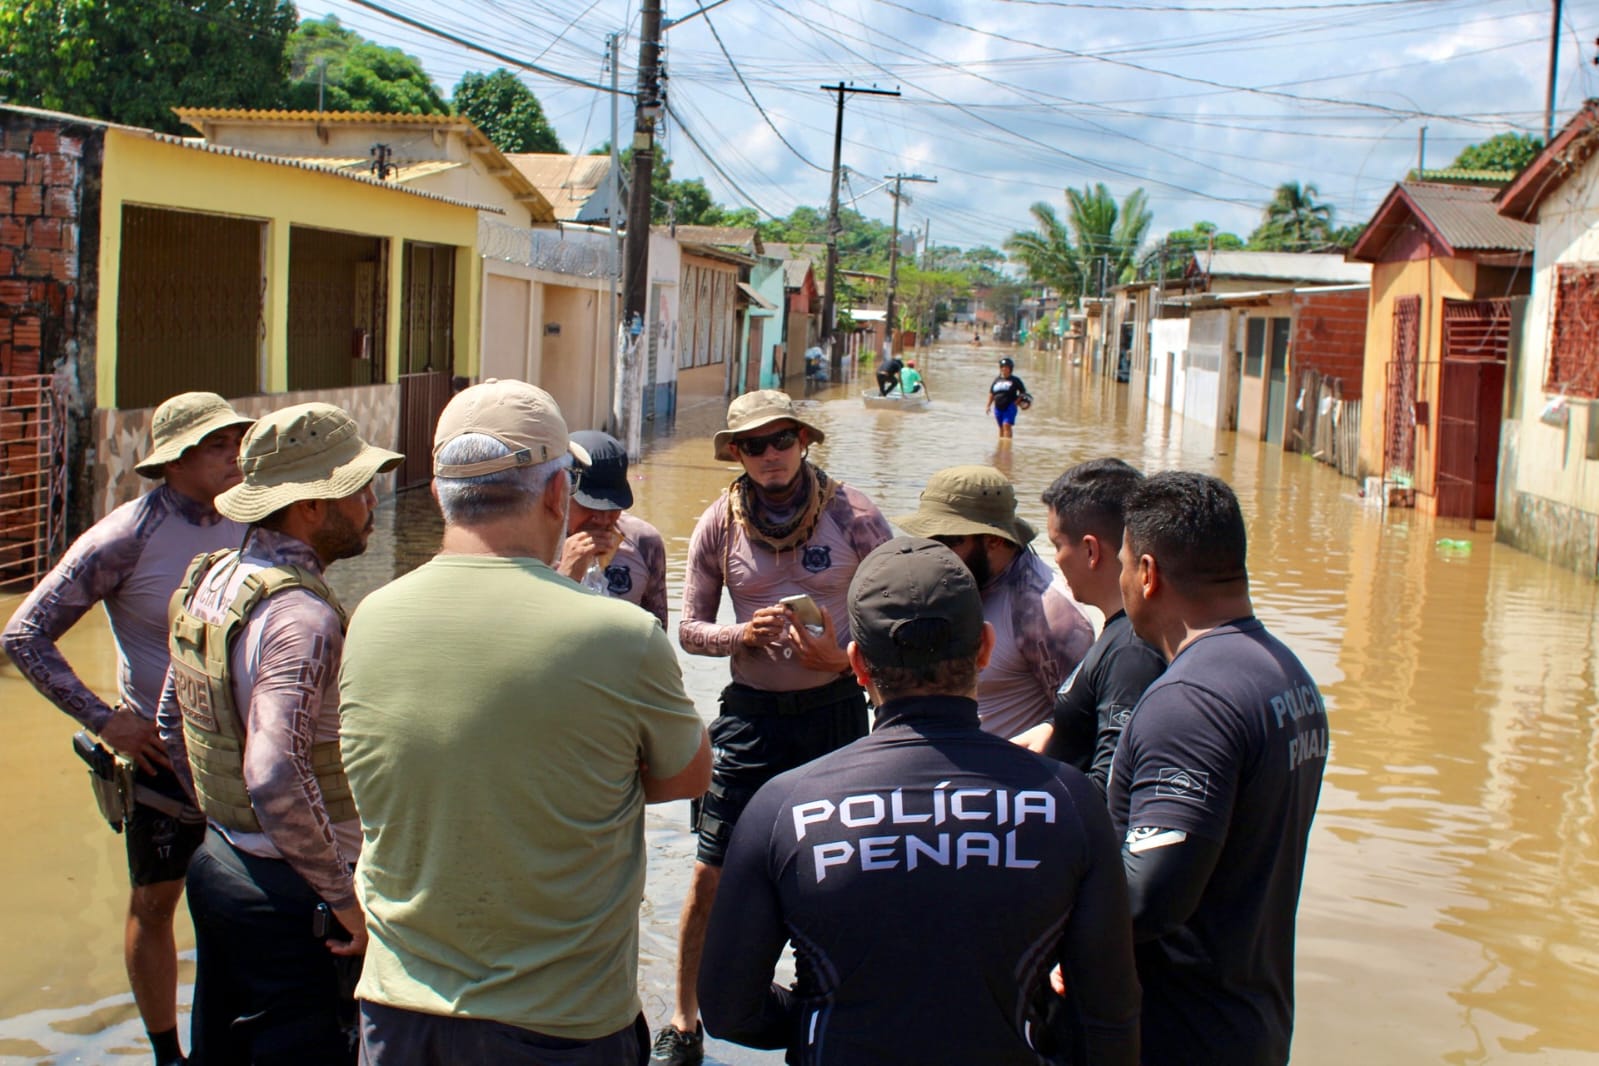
[{"x": 677, "y": 1048}]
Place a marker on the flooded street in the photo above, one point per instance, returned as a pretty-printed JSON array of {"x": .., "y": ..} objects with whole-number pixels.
[{"x": 1451, "y": 906}]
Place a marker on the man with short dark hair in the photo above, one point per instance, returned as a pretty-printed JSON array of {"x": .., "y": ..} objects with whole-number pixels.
[
  {"x": 1085, "y": 526},
  {"x": 249, "y": 717},
  {"x": 607, "y": 549},
  {"x": 503, "y": 731},
  {"x": 784, "y": 528},
  {"x": 929, "y": 875},
  {"x": 1213, "y": 786},
  {"x": 1042, "y": 633},
  {"x": 888, "y": 373},
  {"x": 132, "y": 560}
]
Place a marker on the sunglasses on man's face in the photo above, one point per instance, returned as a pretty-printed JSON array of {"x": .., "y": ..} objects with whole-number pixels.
[{"x": 754, "y": 447}]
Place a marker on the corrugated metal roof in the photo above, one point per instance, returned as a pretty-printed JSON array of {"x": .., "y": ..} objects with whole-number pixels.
[
  {"x": 1329, "y": 268},
  {"x": 1463, "y": 175},
  {"x": 206, "y": 119},
  {"x": 568, "y": 182},
  {"x": 794, "y": 271},
  {"x": 363, "y": 164},
  {"x": 1466, "y": 216},
  {"x": 193, "y": 115},
  {"x": 740, "y": 237},
  {"x": 318, "y": 166}
]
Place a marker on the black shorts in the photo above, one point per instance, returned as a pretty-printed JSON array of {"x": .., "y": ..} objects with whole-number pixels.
[
  {"x": 759, "y": 735},
  {"x": 159, "y": 844}
]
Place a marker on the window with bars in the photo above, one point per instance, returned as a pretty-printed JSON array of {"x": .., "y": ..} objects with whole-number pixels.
[{"x": 1574, "y": 333}]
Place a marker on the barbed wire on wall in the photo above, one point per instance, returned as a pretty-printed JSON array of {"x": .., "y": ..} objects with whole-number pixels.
[{"x": 577, "y": 253}]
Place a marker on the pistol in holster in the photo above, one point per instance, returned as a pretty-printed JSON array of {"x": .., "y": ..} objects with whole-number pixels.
[{"x": 111, "y": 778}]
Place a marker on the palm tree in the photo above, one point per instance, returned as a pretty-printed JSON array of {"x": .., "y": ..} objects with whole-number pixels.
[
  {"x": 1293, "y": 221},
  {"x": 1046, "y": 253},
  {"x": 1098, "y": 243}
]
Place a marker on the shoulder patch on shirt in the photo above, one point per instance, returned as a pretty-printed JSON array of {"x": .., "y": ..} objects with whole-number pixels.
[
  {"x": 1183, "y": 784},
  {"x": 817, "y": 557}
]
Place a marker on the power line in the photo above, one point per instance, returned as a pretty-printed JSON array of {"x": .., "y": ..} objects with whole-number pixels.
[
  {"x": 501, "y": 56},
  {"x": 768, "y": 119}
]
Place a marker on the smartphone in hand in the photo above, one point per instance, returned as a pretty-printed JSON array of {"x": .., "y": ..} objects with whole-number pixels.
[{"x": 804, "y": 609}]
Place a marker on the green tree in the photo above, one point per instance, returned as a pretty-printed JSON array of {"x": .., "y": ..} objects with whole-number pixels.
[
  {"x": 1294, "y": 221},
  {"x": 1098, "y": 240},
  {"x": 507, "y": 111},
  {"x": 133, "y": 62},
  {"x": 355, "y": 74},
  {"x": 1502, "y": 151},
  {"x": 1177, "y": 248}
]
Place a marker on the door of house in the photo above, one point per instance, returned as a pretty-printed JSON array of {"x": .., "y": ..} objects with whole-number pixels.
[
  {"x": 1277, "y": 380},
  {"x": 752, "y": 357},
  {"x": 1476, "y": 338},
  {"x": 1399, "y": 435}
]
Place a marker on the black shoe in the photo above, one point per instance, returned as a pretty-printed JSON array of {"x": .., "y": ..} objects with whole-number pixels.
[{"x": 677, "y": 1048}]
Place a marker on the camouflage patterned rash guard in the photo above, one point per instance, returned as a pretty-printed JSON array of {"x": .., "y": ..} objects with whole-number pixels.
[
  {"x": 284, "y": 666},
  {"x": 1041, "y": 634},
  {"x": 755, "y": 576},
  {"x": 132, "y": 560}
]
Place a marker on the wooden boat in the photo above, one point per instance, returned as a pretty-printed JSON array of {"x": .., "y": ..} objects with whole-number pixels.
[{"x": 896, "y": 400}]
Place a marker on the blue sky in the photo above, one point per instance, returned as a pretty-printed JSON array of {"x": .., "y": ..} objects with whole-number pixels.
[{"x": 1207, "y": 106}]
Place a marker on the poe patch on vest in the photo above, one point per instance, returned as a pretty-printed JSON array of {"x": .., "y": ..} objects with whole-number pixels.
[
  {"x": 1179, "y": 783},
  {"x": 817, "y": 558},
  {"x": 618, "y": 580}
]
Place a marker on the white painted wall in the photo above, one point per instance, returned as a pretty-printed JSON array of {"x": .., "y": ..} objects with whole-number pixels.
[
  {"x": 1206, "y": 345},
  {"x": 1551, "y": 460},
  {"x": 1168, "y": 347}
]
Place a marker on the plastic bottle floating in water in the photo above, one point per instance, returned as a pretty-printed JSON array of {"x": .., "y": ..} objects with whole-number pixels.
[{"x": 1454, "y": 547}]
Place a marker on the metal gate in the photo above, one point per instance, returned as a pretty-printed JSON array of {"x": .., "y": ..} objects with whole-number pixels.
[
  {"x": 1476, "y": 339},
  {"x": 1399, "y": 441},
  {"x": 422, "y": 400},
  {"x": 33, "y": 476}
]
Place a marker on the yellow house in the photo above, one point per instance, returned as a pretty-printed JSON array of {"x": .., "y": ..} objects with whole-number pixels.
[
  {"x": 1445, "y": 266},
  {"x": 273, "y": 281}
]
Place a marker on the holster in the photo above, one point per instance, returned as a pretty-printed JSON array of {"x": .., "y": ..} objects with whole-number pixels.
[{"x": 111, "y": 778}]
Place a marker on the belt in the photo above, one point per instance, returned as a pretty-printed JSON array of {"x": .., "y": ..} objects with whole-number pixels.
[{"x": 742, "y": 699}]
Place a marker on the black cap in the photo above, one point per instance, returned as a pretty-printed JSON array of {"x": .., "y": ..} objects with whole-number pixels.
[
  {"x": 913, "y": 603},
  {"x": 602, "y": 485},
  {"x": 1008, "y": 361}
]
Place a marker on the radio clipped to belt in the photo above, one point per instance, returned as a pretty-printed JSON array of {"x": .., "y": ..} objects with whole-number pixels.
[{"x": 111, "y": 778}]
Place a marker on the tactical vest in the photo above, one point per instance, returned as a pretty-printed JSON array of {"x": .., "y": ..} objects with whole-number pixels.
[{"x": 202, "y": 678}]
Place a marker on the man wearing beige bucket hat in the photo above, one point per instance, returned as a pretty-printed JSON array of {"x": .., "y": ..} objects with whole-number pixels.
[
  {"x": 132, "y": 560},
  {"x": 503, "y": 730},
  {"x": 1042, "y": 633},
  {"x": 784, "y": 540},
  {"x": 249, "y": 716}
]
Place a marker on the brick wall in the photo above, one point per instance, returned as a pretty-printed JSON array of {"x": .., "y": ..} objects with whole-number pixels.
[
  {"x": 49, "y": 258},
  {"x": 1330, "y": 336}
]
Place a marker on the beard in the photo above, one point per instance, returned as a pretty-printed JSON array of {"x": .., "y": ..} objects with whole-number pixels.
[
  {"x": 982, "y": 571},
  {"x": 340, "y": 538}
]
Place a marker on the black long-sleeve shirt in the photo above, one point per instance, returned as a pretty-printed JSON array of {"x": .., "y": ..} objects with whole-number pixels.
[
  {"x": 1097, "y": 699},
  {"x": 929, "y": 875}
]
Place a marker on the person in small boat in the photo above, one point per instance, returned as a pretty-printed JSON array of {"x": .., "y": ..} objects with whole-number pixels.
[
  {"x": 888, "y": 375},
  {"x": 910, "y": 379}
]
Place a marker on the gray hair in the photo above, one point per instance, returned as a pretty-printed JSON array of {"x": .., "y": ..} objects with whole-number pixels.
[{"x": 470, "y": 500}]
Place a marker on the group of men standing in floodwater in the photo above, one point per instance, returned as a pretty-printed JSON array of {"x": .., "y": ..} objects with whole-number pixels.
[{"x": 414, "y": 834}]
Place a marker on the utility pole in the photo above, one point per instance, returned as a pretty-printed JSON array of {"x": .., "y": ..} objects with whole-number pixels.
[
  {"x": 630, "y": 331},
  {"x": 1421, "y": 154},
  {"x": 830, "y": 295},
  {"x": 1554, "y": 64},
  {"x": 613, "y": 43},
  {"x": 893, "y": 253}
]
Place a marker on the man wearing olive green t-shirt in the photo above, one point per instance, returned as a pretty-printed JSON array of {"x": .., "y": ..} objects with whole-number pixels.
[{"x": 502, "y": 731}]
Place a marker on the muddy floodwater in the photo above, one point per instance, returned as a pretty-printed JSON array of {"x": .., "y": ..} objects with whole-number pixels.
[{"x": 1451, "y": 903}]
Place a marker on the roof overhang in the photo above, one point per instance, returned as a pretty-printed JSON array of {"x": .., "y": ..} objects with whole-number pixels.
[
  {"x": 1390, "y": 218},
  {"x": 711, "y": 251},
  {"x": 208, "y": 119},
  {"x": 756, "y": 298},
  {"x": 1569, "y": 150}
]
